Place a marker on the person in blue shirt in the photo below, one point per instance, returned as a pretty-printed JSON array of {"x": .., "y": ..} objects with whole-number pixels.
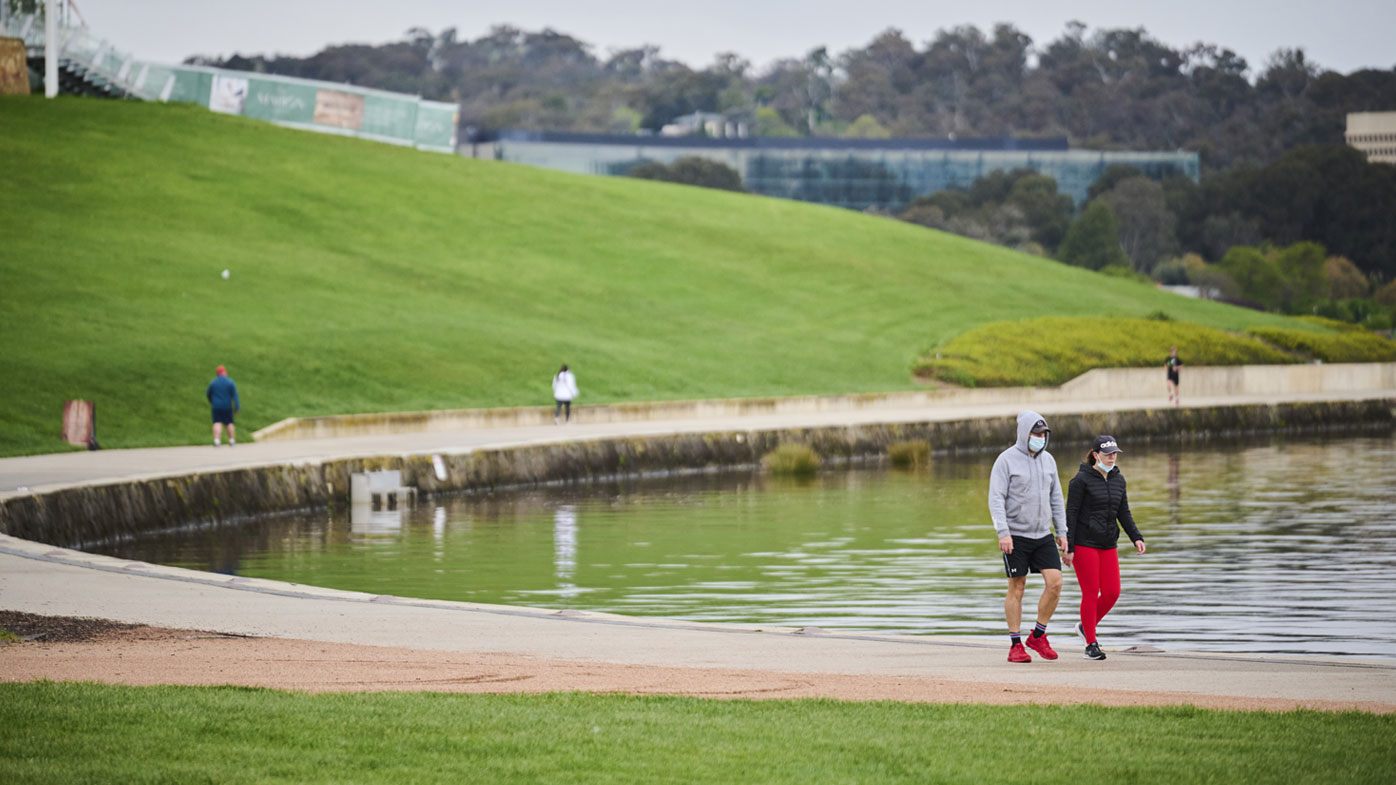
[{"x": 223, "y": 397}]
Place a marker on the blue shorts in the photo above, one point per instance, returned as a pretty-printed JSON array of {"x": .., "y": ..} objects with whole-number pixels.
[{"x": 224, "y": 416}]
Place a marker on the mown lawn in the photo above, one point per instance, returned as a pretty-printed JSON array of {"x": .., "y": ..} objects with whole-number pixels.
[
  {"x": 364, "y": 277},
  {"x": 72, "y": 733}
]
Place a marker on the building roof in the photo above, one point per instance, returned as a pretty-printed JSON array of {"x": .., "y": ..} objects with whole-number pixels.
[{"x": 775, "y": 142}]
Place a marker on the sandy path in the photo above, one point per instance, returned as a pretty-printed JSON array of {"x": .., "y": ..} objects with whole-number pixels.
[{"x": 88, "y": 650}]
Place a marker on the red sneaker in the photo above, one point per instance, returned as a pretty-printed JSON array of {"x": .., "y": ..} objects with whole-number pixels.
[
  {"x": 1041, "y": 646},
  {"x": 1016, "y": 653}
]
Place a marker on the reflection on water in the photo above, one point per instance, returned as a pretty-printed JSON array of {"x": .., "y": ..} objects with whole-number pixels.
[
  {"x": 1271, "y": 546},
  {"x": 565, "y": 549}
]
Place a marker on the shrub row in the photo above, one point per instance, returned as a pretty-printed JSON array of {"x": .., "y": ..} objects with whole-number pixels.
[
  {"x": 1052, "y": 350},
  {"x": 1349, "y": 346}
]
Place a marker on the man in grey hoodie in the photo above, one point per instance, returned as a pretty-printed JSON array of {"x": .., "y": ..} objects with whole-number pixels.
[{"x": 1025, "y": 503}]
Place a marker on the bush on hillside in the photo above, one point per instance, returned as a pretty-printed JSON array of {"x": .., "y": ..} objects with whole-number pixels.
[
  {"x": 1332, "y": 324},
  {"x": 1358, "y": 346},
  {"x": 1343, "y": 280},
  {"x": 1386, "y": 295},
  {"x": 1093, "y": 241},
  {"x": 1052, "y": 350},
  {"x": 1121, "y": 271}
]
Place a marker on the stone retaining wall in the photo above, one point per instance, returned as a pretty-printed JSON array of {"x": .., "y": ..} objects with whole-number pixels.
[
  {"x": 1098, "y": 384},
  {"x": 1236, "y": 380},
  {"x": 74, "y": 516}
]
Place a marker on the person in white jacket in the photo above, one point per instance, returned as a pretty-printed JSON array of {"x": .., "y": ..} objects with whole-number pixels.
[{"x": 564, "y": 391}]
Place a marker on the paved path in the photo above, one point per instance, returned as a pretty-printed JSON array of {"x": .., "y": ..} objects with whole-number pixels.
[
  {"x": 38, "y": 473},
  {"x": 40, "y": 579},
  {"x": 37, "y": 578}
]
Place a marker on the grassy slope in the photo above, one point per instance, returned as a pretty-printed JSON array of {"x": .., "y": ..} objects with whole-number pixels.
[
  {"x": 371, "y": 278},
  {"x": 66, "y": 733}
]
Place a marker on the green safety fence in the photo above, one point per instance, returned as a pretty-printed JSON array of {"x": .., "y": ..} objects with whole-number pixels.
[{"x": 327, "y": 107}]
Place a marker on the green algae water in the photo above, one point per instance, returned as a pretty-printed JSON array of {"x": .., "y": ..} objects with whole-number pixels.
[{"x": 1275, "y": 545}]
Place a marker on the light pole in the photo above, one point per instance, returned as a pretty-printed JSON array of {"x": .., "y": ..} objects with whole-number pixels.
[{"x": 51, "y": 48}]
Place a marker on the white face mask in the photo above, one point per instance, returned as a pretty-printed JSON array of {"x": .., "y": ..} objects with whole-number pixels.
[{"x": 1036, "y": 443}]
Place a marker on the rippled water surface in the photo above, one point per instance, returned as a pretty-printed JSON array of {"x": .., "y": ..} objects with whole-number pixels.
[{"x": 1284, "y": 545}]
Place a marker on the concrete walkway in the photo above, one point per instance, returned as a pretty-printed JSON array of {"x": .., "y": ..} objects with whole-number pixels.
[
  {"x": 43, "y": 473},
  {"x": 38, "y": 578}
]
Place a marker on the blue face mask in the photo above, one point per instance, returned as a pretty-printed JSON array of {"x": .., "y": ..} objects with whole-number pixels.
[
  {"x": 1103, "y": 467},
  {"x": 1036, "y": 443}
]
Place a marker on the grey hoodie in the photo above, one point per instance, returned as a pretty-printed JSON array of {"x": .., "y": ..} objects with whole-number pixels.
[{"x": 1025, "y": 493}]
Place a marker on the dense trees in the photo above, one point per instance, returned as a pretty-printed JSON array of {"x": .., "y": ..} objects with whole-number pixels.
[
  {"x": 1093, "y": 242},
  {"x": 1018, "y": 208},
  {"x": 1328, "y": 194},
  {"x": 1107, "y": 89},
  {"x": 1311, "y": 232}
]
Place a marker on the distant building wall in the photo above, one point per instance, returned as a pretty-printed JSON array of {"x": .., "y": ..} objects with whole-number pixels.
[
  {"x": 1374, "y": 133},
  {"x": 858, "y": 174}
]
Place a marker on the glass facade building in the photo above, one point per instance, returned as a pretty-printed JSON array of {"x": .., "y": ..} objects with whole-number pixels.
[{"x": 858, "y": 174}]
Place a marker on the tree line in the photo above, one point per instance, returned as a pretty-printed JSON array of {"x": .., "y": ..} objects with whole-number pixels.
[
  {"x": 1311, "y": 232},
  {"x": 1108, "y": 89}
]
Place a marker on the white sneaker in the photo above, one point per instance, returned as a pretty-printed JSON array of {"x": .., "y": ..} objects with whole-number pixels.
[
  {"x": 1080, "y": 631},
  {"x": 231, "y": 442},
  {"x": 216, "y": 442}
]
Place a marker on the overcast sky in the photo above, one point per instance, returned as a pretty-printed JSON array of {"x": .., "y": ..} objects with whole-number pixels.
[{"x": 1342, "y": 35}]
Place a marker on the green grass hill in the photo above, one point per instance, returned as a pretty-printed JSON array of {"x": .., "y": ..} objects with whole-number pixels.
[{"x": 364, "y": 277}]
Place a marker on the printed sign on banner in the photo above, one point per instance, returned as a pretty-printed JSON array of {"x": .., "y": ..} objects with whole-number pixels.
[
  {"x": 436, "y": 125},
  {"x": 338, "y": 109},
  {"x": 228, "y": 94}
]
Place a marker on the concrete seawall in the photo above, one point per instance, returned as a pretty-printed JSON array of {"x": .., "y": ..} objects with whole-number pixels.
[
  {"x": 86, "y": 513},
  {"x": 1098, "y": 384}
]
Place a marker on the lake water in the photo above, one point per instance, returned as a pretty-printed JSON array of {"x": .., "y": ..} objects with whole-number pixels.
[{"x": 1281, "y": 545}]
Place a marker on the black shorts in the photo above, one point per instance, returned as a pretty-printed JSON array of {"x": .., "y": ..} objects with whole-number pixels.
[
  {"x": 224, "y": 416},
  {"x": 1031, "y": 555},
  {"x": 1173, "y": 376}
]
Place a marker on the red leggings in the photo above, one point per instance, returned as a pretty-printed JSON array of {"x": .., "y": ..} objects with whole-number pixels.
[{"x": 1098, "y": 573}]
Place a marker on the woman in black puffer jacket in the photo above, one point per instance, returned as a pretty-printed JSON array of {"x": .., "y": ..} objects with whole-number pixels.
[{"x": 1096, "y": 507}]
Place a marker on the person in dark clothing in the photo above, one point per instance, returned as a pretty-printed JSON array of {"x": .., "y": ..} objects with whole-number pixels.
[
  {"x": 222, "y": 395},
  {"x": 1170, "y": 367},
  {"x": 1097, "y": 505}
]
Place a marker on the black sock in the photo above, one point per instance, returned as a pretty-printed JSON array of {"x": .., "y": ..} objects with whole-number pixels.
[
  {"x": 1016, "y": 639},
  {"x": 1039, "y": 630}
]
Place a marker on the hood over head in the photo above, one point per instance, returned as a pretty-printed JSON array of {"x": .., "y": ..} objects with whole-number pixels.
[{"x": 1028, "y": 422}]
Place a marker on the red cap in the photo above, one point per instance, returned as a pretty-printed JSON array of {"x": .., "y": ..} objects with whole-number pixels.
[{"x": 221, "y": 371}]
